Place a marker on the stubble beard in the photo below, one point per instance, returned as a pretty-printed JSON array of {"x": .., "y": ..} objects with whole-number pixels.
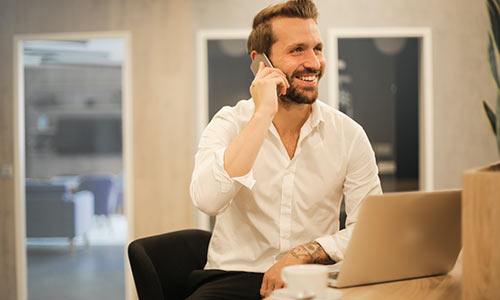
[{"x": 299, "y": 94}]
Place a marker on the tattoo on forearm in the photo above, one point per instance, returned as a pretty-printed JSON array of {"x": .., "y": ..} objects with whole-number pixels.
[{"x": 312, "y": 252}]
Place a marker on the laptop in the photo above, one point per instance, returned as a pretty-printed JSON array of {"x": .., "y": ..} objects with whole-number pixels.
[{"x": 401, "y": 236}]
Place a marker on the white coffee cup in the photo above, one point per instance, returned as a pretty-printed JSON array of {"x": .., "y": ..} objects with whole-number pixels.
[{"x": 305, "y": 280}]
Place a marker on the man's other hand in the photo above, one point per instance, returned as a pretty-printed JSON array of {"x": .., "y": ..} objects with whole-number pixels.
[{"x": 311, "y": 253}]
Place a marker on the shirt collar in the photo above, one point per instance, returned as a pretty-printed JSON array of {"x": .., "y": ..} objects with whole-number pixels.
[
  {"x": 312, "y": 122},
  {"x": 316, "y": 116}
]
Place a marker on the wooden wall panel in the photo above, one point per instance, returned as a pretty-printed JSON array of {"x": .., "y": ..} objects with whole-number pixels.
[{"x": 162, "y": 92}]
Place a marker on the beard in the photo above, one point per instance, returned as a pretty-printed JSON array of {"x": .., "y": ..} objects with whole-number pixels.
[{"x": 299, "y": 94}]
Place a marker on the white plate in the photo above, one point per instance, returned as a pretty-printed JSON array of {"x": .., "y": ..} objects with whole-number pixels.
[{"x": 284, "y": 294}]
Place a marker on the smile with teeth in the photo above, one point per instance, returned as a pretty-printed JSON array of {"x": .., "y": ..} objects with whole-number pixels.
[{"x": 309, "y": 78}]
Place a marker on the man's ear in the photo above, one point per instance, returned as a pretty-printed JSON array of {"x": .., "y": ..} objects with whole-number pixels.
[{"x": 253, "y": 54}]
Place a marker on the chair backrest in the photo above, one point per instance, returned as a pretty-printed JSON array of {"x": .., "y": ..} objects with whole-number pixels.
[
  {"x": 161, "y": 264},
  {"x": 49, "y": 210},
  {"x": 102, "y": 188},
  {"x": 46, "y": 191}
]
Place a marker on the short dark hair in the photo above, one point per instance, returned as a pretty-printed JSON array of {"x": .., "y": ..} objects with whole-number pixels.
[{"x": 261, "y": 38}]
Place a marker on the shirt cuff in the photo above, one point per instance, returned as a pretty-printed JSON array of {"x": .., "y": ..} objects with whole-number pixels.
[
  {"x": 329, "y": 244},
  {"x": 227, "y": 182}
]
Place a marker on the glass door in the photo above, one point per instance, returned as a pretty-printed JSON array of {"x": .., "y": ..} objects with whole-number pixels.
[{"x": 75, "y": 224}]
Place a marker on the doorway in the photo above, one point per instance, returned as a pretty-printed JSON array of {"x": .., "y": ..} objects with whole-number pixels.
[{"x": 73, "y": 131}]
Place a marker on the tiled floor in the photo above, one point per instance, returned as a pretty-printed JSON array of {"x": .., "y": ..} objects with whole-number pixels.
[
  {"x": 95, "y": 272},
  {"x": 89, "y": 272}
]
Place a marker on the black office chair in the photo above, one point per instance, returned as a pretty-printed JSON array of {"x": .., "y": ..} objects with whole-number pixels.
[{"x": 161, "y": 264}]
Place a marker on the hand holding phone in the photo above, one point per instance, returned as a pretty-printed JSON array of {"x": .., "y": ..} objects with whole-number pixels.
[
  {"x": 261, "y": 57},
  {"x": 268, "y": 85}
]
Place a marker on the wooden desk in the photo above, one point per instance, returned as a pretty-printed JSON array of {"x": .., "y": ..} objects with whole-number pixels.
[{"x": 445, "y": 287}]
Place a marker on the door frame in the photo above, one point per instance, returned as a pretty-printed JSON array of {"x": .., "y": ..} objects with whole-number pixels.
[
  {"x": 425, "y": 100},
  {"x": 19, "y": 147}
]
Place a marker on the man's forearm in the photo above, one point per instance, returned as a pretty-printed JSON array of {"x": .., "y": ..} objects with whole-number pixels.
[
  {"x": 311, "y": 253},
  {"x": 240, "y": 155}
]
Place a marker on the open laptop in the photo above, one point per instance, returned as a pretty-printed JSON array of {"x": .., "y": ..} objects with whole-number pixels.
[{"x": 400, "y": 236}]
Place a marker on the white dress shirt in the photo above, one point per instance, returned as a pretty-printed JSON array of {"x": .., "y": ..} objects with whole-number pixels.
[{"x": 282, "y": 203}]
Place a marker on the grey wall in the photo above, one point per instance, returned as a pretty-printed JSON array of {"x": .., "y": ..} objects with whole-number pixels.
[
  {"x": 462, "y": 138},
  {"x": 74, "y": 92}
]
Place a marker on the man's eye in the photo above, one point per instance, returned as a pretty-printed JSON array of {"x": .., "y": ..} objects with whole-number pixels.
[
  {"x": 298, "y": 49},
  {"x": 319, "y": 49}
]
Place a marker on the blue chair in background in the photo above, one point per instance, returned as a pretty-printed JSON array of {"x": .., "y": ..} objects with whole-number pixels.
[{"x": 104, "y": 190}]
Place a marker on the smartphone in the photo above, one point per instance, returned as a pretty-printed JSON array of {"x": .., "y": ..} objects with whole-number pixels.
[{"x": 255, "y": 64}]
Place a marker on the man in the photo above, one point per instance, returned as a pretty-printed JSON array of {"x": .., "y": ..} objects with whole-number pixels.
[{"x": 274, "y": 168}]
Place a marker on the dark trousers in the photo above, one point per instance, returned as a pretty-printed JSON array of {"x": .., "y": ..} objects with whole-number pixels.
[{"x": 230, "y": 285}]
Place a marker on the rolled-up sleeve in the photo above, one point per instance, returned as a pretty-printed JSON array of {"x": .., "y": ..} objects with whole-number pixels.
[
  {"x": 212, "y": 189},
  {"x": 361, "y": 180}
]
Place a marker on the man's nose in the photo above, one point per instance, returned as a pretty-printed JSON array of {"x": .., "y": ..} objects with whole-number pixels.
[{"x": 312, "y": 60}]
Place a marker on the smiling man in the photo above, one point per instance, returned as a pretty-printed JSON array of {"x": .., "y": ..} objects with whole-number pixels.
[{"x": 274, "y": 168}]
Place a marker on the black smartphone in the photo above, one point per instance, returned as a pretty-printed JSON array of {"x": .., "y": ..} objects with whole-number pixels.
[{"x": 255, "y": 64}]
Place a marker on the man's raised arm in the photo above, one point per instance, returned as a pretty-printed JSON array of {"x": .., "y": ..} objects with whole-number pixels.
[
  {"x": 225, "y": 156},
  {"x": 240, "y": 155}
]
